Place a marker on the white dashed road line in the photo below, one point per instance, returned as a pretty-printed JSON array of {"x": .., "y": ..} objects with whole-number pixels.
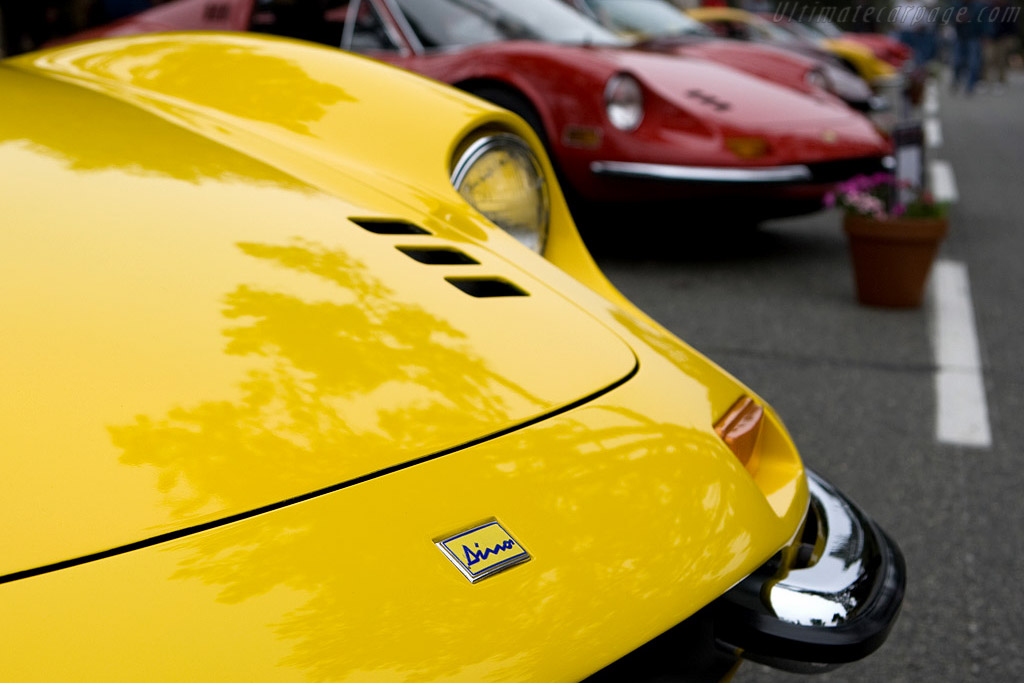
[
  {"x": 932, "y": 133},
  {"x": 942, "y": 181},
  {"x": 931, "y": 97},
  {"x": 961, "y": 408}
]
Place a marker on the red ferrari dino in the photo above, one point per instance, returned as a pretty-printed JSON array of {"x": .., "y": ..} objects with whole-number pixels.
[{"x": 622, "y": 125}]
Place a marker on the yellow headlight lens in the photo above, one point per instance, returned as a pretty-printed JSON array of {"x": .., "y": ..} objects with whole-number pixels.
[{"x": 502, "y": 179}]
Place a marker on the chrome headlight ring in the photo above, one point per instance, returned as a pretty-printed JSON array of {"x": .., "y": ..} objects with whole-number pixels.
[{"x": 499, "y": 175}]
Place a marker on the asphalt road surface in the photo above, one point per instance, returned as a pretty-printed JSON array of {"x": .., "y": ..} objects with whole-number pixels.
[{"x": 859, "y": 388}]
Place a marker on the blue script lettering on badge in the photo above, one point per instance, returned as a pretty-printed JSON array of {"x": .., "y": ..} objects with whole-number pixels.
[{"x": 483, "y": 550}]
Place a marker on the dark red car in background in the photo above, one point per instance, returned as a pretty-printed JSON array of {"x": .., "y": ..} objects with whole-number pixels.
[{"x": 622, "y": 125}]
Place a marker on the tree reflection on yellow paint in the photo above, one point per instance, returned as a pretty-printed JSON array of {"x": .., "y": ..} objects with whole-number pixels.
[
  {"x": 585, "y": 473},
  {"x": 323, "y": 360},
  {"x": 237, "y": 79},
  {"x": 366, "y": 615},
  {"x": 137, "y": 140}
]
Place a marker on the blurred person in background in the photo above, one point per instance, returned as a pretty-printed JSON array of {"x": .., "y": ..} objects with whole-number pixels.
[
  {"x": 928, "y": 37},
  {"x": 967, "y": 55},
  {"x": 1001, "y": 42},
  {"x": 907, "y": 15},
  {"x": 947, "y": 43}
]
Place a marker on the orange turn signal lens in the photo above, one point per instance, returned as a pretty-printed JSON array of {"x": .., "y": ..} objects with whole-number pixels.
[
  {"x": 584, "y": 137},
  {"x": 747, "y": 148},
  {"x": 740, "y": 429}
]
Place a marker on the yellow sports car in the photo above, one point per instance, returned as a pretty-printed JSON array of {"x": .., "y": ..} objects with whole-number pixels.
[{"x": 282, "y": 401}]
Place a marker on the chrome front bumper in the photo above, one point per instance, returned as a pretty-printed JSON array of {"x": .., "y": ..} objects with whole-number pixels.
[
  {"x": 704, "y": 174},
  {"x": 837, "y": 601}
]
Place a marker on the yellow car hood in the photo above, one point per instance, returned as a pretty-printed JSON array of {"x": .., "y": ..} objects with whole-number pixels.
[
  {"x": 271, "y": 356},
  {"x": 267, "y": 347}
]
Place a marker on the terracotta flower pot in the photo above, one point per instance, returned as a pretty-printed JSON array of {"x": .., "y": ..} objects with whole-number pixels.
[{"x": 892, "y": 258}]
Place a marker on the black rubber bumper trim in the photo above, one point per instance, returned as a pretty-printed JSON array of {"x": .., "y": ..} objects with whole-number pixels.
[{"x": 763, "y": 637}]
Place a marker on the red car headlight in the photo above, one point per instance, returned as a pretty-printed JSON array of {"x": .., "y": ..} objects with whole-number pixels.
[
  {"x": 816, "y": 78},
  {"x": 624, "y": 102}
]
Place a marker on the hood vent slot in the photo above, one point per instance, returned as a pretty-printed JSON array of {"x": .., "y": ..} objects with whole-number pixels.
[
  {"x": 486, "y": 287},
  {"x": 389, "y": 227},
  {"x": 439, "y": 256}
]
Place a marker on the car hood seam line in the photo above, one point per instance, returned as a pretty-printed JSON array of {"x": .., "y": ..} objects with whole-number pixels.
[{"x": 271, "y": 507}]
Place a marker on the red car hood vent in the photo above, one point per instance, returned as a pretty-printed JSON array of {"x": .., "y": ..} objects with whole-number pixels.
[{"x": 708, "y": 100}]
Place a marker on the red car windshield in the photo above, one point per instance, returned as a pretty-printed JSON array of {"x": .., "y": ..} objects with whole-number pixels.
[
  {"x": 449, "y": 23},
  {"x": 647, "y": 18}
]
